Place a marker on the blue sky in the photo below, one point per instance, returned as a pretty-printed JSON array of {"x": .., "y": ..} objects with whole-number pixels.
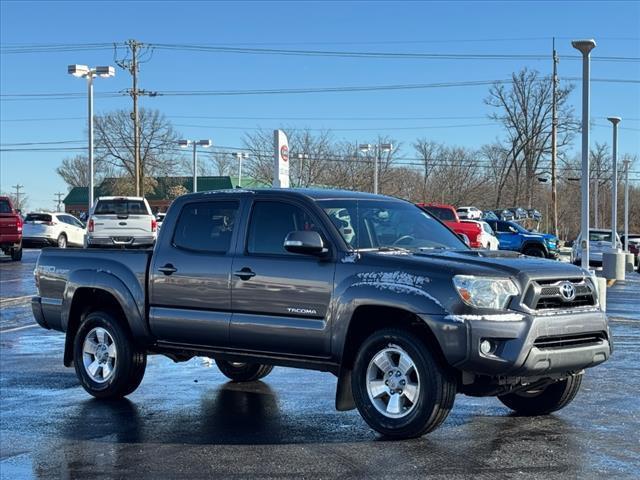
[{"x": 428, "y": 27}]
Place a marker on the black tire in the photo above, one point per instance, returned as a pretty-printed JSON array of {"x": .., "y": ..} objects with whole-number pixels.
[
  {"x": 16, "y": 254},
  {"x": 243, "y": 372},
  {"x": 534, "y": 251},
  {"x": 61, "y": 242},
  {"x": 550, "y": 399},
  {"x": 436, "y": 387},
  {"x": 129, "y": 366}
]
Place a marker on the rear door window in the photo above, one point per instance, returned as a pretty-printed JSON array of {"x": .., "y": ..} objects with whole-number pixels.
[
  {"x": 206, "y": 226},
  {"x": 121, "y": 206}
]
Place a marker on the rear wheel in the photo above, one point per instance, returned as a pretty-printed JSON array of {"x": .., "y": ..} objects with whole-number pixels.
[
  {"x": 243, "y": 372},
  {"x": 544, "y": 400},
  {"x": 16, "y": 254},
  {"x": 62, "y": 241},
  {"x": 107, "y": 361},
  {"x": 399, "y": 387}
]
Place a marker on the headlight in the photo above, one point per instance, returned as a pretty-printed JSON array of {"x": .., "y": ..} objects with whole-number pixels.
[{"x": 485, "y": 292}]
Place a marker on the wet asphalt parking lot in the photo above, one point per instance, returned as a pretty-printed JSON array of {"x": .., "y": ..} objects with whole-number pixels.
[{"x": 187, "y": 421}]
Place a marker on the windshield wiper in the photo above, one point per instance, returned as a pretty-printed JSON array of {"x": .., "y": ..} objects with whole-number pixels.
[{"x": 384, "y": 249}]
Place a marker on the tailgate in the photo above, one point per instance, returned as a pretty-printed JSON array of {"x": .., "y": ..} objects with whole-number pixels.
[
  {"x": 8, "y": 224},
  {"x": 121, "y": 225}
]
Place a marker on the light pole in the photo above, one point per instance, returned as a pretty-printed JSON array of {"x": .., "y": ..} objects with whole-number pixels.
[
  {"x": 379, "y": 148},
  {"x": 301, "y": 158},
  {"x": 585, "y": 47},
  {"x": 240, "y": 156},
  {"x": 82, "y": 71},
  {"x": 626, "y": 204},
  {"x": 195, "y": 143},
  {"x": 614, "y": 182}
]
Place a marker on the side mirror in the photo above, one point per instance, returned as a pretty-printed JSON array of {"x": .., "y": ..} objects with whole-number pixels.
[
  {"x": 464, "y": 238},
  {"x": 305, "y": 242}
]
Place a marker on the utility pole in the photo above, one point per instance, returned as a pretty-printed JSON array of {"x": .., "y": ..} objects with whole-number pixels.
[
  {"x": 58, "y": 200},
  {"x": 18, "y": 187},
  {"x": 132, "y": 65},
  {"x": 554, "y": 134},
  {"x": 626, "y": 162}
]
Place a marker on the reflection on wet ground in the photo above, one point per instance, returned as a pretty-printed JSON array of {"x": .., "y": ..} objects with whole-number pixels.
[{"x": 187, "y": 421}]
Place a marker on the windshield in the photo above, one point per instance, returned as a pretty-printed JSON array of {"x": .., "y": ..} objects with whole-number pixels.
[
  {"x": 600, "y": 236},
  {"x": 444, "y": 214},
  {"x": 519, "y": 227},
  {"x": 38, "y": 217},
  {"x": 5, "y": 207},
  {"x": 121, "y": 206},
  {"x": 388, "y": 224}
]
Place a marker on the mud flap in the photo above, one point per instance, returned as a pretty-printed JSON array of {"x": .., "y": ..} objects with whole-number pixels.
[{"x": 344, "y": 394}]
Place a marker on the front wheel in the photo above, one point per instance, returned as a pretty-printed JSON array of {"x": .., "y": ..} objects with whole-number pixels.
[
  {"x": 534, "y": 252},
  {"x": 399, "y": 387},
  {"x": 243, "y": 372},
  {"x": 107, "y": 361},
  {"x": 542, "y": 401}
]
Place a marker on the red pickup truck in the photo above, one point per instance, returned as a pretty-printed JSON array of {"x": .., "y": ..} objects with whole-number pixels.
[
  {"x": 10, "y": 229},
  {"x": 448, "y": 215}
]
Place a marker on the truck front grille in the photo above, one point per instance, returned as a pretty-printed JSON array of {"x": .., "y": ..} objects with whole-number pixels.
[
  {"x": 547, "y": 294},
  {"x": 569, "y": 341}
]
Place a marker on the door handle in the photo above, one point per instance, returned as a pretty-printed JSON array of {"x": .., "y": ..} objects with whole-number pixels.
[
  {"x": 244, "y": 273},
  {"x": 168, "y": 269}
]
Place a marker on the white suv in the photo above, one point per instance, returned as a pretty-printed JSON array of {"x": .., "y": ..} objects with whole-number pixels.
[
  {"x": 52, "y": 228},
  {"x": 469, "y": 213},
  {"x": 121, "y": 222}
]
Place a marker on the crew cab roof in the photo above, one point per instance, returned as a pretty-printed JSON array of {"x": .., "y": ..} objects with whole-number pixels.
[{"x": 312, "y": 193}]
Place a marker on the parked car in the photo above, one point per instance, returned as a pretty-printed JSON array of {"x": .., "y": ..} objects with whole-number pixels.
[
  {"x": 10, "y": 229},
  {"x": 404, "y": 314},
  {"x": 489, "y": 215},
  {"x": 599, "y": 242},
  {"x": 534, "y": 214},
  {"x": 487, "y": 239},
  {"x": 504, "y": 214},
  {"x": 634, "y": 245},
  {"x": 518, "y": 213},
  {"x": 447, "y": 214},
  {"x": 160, "y": 219},
  {"x": 515, "y": 237},
  {"x": 52, "y": 229},
  {"x": 469, "y": 213},
  {"x": 121, "y": 222}
]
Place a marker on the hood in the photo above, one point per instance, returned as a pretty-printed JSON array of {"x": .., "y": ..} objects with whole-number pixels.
[{"x": 497, "y": 263}]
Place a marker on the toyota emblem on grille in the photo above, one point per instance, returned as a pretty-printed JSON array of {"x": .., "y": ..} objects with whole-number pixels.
[{"x": 568, "y": 291}]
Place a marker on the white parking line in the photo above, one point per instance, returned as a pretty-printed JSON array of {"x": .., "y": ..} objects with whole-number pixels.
[
  {"x": 15, "y": 300},
  {"x": 13, "y": 280},
  {"x": 19, "y": 328}
]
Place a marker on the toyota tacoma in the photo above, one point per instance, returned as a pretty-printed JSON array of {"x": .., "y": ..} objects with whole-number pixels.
[{"x": 370, "y": 288}]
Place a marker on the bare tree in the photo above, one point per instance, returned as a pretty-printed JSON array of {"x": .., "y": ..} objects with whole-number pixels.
[
  {"x": 525, "y": 110},
  {"x": 75, "y": 171},
  {"x": 158, "y": 140},
  {"x": 429, "y": 153}
]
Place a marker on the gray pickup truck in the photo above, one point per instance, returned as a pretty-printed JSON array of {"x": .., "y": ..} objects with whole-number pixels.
[{"x": 369, "y": 288}]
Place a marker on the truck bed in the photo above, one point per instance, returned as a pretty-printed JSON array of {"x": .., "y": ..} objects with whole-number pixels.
[{"x": 61, "y": 270}]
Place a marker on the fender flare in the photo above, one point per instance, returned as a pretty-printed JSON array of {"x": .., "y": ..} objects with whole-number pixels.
[{"x": 114, "y": 286}]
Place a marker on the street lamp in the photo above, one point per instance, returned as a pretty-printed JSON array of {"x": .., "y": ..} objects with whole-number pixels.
[
  {"x": 301, "y": 158},
  {"x": 240, "y": 156},
  {"x": 195, "y": 143},
  {"x": 585, "y": 47},
  {"x": 626, "y": 162},
  {"x": 83, "y": 71},
  {"x": 379, "y": 148},
  {"x": 614, "y": 182}
]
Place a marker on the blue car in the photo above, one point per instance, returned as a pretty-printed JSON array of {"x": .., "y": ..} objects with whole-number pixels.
[{"x": 515, "y": 237}]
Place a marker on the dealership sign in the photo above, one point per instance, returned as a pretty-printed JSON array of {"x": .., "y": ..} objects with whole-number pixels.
[{"x": 281, "y": 160}]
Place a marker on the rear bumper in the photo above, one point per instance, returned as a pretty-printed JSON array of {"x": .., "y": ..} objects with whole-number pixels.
[
  {"x": 38, "y": 241},
  {"x": 548, "y": 344},
  {"x": 36, "y": 307},
  {"x": 115, "y": 241},
  {"x": 10, "y": 241}
]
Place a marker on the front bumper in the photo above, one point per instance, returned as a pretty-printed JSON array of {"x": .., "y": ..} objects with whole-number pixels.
[{"x": 537, "y": 345}]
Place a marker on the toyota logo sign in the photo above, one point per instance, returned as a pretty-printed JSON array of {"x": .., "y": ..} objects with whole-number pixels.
[{"x": 568, "y": 291}]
